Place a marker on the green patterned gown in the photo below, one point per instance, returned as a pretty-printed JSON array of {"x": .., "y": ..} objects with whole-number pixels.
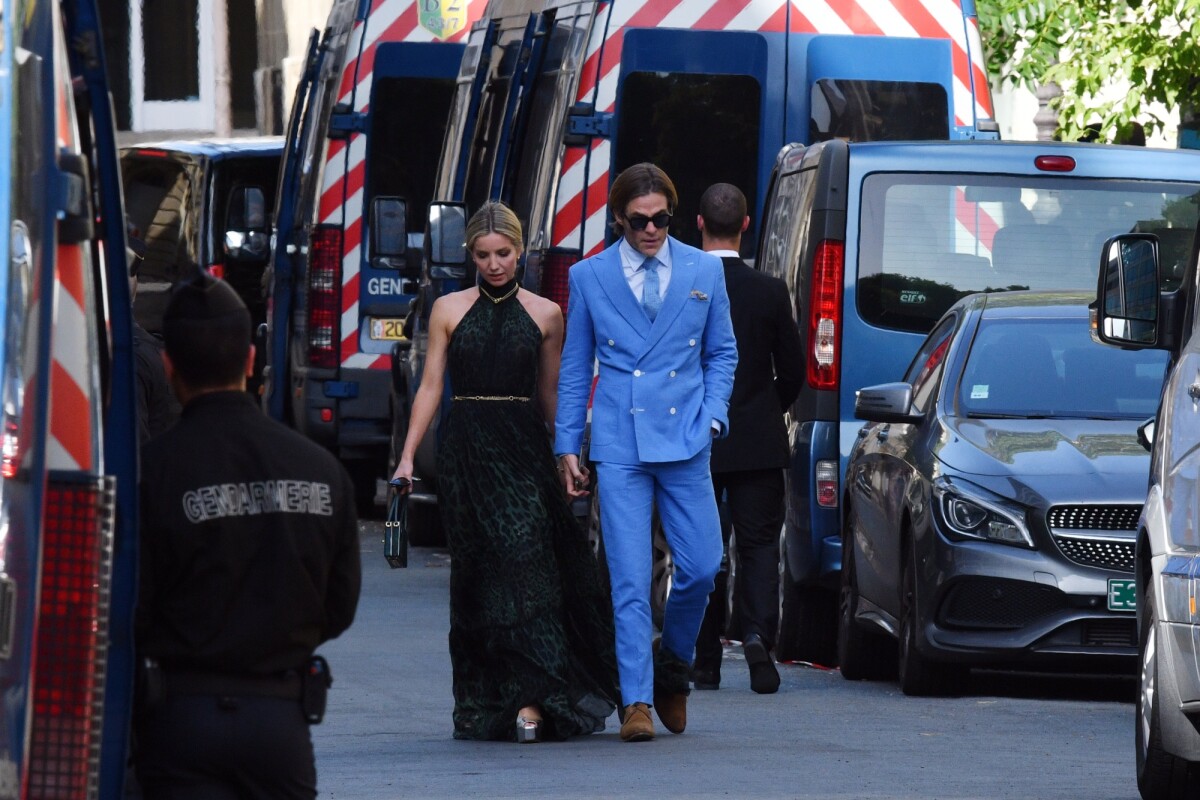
[{"x": 530, "y": 621}]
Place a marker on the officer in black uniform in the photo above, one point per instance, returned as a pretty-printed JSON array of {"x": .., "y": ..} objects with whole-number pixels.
[{"x": 249, "y": 561}]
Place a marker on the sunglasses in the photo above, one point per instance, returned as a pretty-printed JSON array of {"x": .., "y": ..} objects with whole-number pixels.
[{"x": 639, "y": 221}]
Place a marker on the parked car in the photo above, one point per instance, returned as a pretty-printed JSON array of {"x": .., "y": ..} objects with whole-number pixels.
[
  {"x": 202, "y": 204},
  {"x": 992, "y": 500},
  {"x": 1142, "y": 303}
]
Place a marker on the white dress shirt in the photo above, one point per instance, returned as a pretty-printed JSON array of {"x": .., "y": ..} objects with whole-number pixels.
[{"x": 635, "y": 276}]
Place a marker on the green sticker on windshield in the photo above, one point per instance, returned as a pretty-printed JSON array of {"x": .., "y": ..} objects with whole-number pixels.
[{"x": 979, "y": 391}]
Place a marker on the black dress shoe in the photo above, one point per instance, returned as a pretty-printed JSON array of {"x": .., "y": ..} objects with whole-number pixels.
[
  {"x": 706, "y": 678},
  {"x": 764, "y": 678}
]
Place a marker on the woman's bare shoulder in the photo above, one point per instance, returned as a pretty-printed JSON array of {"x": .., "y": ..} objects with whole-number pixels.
[
  {"x": 544, "y": 310},
  {"x": 451, "y": 308}
]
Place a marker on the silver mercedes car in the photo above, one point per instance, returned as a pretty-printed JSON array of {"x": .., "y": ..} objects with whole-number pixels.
[{"x": 1146, "y": 303}]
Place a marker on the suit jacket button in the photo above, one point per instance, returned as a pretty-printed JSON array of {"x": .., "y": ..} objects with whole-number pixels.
[
  {"x": 692, "y": 342},
  {"x": 672, "y": 410},
  {"x": 672, "y": 373},
  {"x": 611, "y": 342},
  {"x": 637, "y": 373}
]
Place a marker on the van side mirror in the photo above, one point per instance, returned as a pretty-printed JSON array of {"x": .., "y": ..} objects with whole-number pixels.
[
  {"x": 389, "y": 237},
  {"x": 1127, "y": 308},
  {"x": 447, "y": 241},
  {"x": 246, "y": 236}
]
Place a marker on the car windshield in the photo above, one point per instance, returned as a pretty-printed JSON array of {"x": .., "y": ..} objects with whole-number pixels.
[{"x": 1050, "y": 367}]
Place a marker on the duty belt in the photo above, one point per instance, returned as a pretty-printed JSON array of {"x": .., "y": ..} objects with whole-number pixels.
[{"x": 286, "y": 685}]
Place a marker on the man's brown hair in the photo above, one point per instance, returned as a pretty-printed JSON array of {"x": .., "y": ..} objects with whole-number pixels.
[{"x": 639, "y": 181}]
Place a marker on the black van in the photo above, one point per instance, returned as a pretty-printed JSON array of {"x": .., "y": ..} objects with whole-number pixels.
[{"x": 201, "y": 204}]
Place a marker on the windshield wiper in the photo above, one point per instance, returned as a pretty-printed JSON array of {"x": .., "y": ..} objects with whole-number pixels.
[{"x": 995, "y": 415}]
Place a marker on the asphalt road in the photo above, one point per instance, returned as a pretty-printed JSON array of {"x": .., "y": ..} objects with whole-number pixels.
[{"x": 388, "y": 730}]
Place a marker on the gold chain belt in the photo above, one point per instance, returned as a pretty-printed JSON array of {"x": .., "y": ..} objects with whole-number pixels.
[{"x": 507, "y": 397}]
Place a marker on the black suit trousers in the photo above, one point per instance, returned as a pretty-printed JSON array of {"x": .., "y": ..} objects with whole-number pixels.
[{"x": 754, "y": 499}]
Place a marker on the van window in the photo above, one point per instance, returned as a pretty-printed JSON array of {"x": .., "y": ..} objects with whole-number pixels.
[
  {"x": 701, "y": 129},
  {"x": 403, "y": 147},
  {"x": 490, "y": 128},
  {"x": 927, "y": 240},
  {"x": 787, "y": 228},
  {"x": 157, "y": 196},
  {"x": 529, "y": 174},
  {"x": 866, "y": 111}
]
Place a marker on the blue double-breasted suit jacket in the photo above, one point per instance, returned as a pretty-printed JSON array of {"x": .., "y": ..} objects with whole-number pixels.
[{"x": 662, "y": 384}]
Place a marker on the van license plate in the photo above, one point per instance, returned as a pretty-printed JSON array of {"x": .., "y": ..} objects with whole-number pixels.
[
  {"x": 1122, "y": 594},
  {"x": 388, "y": 330}
]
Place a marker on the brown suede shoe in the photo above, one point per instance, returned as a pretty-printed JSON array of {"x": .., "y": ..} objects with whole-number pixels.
[
  {"x": 672, "y": 709},
  {"x": 637, "y": 725},
  {"x": 670, "y": 674}
]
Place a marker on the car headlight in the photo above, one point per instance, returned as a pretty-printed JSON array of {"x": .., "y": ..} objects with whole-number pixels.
[{"x": 967, "y": 512}]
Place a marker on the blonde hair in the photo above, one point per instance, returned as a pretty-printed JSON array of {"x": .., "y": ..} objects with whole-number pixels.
[{"x": 495, "y": 217}]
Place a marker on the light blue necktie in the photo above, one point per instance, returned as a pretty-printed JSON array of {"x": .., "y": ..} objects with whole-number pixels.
[{"x": 651, "y": 301}]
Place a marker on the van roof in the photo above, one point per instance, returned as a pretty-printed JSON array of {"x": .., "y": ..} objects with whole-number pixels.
[
  {"x": 213, "y": 147},
  {"x": 984, "y": 156}
]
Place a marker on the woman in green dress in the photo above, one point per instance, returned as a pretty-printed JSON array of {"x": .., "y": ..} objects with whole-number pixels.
[{"x": 531, "y": 637}]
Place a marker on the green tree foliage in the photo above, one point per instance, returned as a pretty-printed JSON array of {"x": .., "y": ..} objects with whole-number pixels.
[{"x": 1148, "y": 49}]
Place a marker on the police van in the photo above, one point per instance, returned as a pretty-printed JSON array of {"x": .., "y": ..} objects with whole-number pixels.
[
  {"x": 69, "y": 438},
  {"x": 555, "y": 98},
  {"x": 363, "y": 140},
  {"x": 876, "y": 240}
]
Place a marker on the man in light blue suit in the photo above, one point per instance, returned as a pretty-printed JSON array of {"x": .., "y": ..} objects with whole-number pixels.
[{"x": 654, "y": 313}]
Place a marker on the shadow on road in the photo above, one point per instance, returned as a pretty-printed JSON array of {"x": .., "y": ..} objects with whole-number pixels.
[{"x": 1053, "y": 686}]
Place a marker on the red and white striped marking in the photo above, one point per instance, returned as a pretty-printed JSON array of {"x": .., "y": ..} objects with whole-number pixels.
[
  {"x": 585, "y": 178},
  {"x": 580, "y": 214},
  {"x": 341, "y": 201},
  {"x": 74, "y": 413}
]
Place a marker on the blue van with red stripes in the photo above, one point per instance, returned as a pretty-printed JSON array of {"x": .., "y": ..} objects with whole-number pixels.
[{"x": 68, "y": 438}]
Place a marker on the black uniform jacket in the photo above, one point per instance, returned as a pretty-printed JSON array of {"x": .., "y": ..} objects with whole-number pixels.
[
  {"x": 770, "y": 371},
  {"x": 249, "y": 542}
]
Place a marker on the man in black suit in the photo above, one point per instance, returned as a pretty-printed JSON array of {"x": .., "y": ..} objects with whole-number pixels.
[{"x": 747, "y": 466}]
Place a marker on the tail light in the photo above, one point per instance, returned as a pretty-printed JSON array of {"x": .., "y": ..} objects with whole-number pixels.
[
  {"x": 555, "y": 267},
  {"x": 217, "y": 271},
  {"x": 324, "y": 296},
  {"x": 827, "y": 484},
  {"x": 825, "y": 315},
  {"x": 70, "y": 651}
]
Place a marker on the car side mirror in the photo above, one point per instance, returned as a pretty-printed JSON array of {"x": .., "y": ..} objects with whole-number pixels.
[
  {"x": 1128, "y": 296},
  {"x": 447, "y": 241},
  {"x": 246, "y": 237},
  {"x": 389, "y": 244},
  {"x": 887, "y": 402},
  {"x": 1145, "y": 434}
]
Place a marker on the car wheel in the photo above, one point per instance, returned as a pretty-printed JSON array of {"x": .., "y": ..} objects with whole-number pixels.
[
  {"x": 919, "y": 676},
  {"x": 808, "y": 618},
  {"x": 1160, "y": 775},
  {"x": 863, "y": 654},
  {"x": 733, "y": 617},
  {"x": 664, "y": 570}
]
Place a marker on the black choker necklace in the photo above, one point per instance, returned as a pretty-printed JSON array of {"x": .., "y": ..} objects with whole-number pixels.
[{"x": 498, "y": 294}]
